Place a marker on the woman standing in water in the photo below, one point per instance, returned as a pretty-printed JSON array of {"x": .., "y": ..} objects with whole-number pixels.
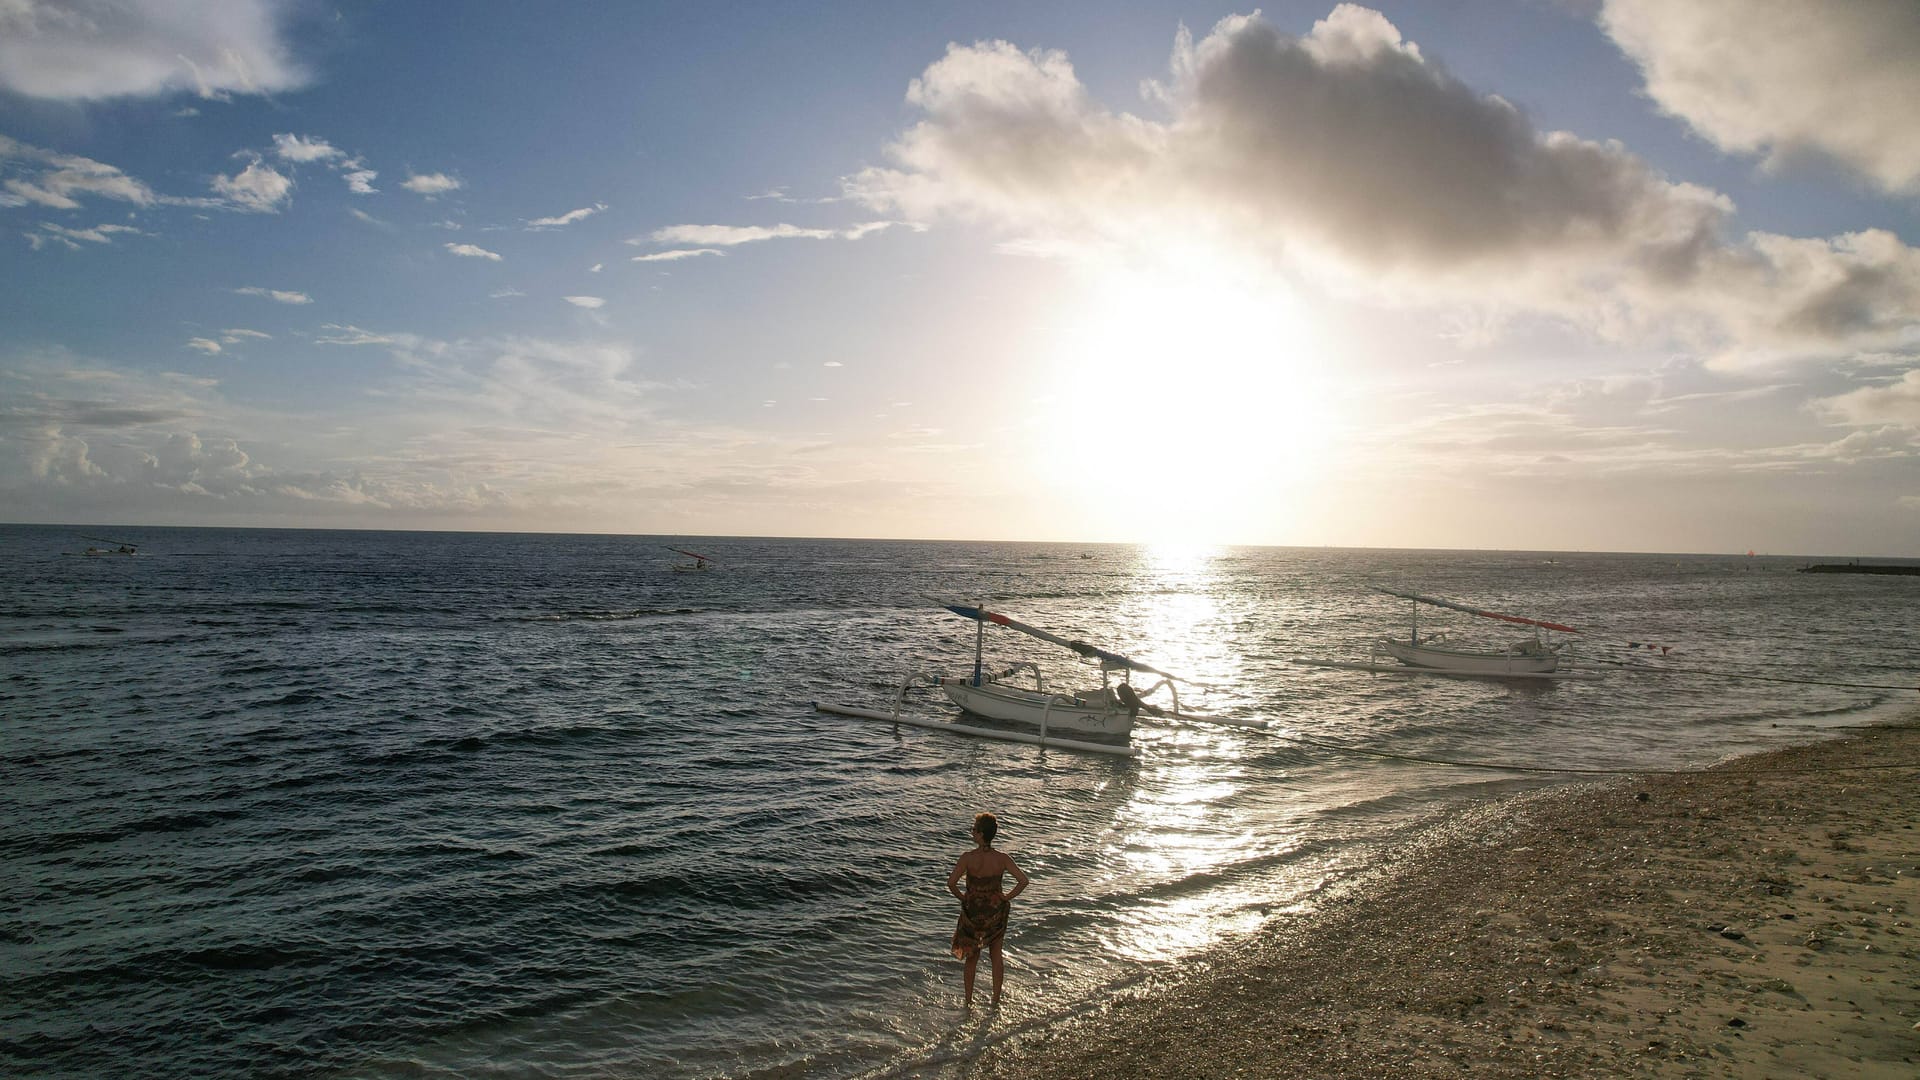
[{"x": 983, "y": 907}]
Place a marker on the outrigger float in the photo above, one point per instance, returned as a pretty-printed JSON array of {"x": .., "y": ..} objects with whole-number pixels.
[
  {"x": 1532, "y": 657},
  {"x": 1096, "y": 721}
]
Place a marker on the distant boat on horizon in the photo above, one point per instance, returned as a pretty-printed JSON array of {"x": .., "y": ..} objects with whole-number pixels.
[{"x": 120, "y": 547}]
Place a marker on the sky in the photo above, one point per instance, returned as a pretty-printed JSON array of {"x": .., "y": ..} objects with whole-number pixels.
[{"x": 1497, "y": 274}]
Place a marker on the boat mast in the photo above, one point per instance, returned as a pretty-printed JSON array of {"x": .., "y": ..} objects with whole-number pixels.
[{"x": 979, "y": 643}]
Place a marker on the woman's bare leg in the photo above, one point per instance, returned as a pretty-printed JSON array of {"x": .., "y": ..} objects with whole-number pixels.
[
  {"x": 973, "y": 961},
  {"x": 999, "y": 972}
]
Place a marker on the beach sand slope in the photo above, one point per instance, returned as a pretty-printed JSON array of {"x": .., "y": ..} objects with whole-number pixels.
[{"x": 1753, "y": 920}]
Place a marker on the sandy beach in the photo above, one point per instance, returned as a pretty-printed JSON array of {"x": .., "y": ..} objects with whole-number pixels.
[{"x": 1753, "y": 920}]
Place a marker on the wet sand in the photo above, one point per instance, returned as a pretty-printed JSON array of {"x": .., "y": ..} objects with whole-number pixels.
[{"x": 1754, "y": 920}]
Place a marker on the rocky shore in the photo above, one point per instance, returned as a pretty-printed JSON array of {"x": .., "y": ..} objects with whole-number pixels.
[{"x": 1753, "y": 920}]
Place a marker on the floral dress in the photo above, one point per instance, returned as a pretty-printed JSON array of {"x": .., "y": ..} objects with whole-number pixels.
[{"x": 983, "y": 917}]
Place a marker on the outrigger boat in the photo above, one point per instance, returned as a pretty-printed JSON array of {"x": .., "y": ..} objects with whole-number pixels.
[
  {"x": 1097, "y": 720},
  {"x": 700, "y": 562},
  {"x": 1106, "y": 712},
  {"x": 1531, "y": 657},
  {"x": 120, "y": 547}
]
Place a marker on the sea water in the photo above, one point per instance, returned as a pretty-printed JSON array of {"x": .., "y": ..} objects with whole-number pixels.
[{"x": 411, "y": 804}]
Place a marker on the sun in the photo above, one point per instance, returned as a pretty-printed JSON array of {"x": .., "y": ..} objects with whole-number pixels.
[{"x": 1187, "y": 398}]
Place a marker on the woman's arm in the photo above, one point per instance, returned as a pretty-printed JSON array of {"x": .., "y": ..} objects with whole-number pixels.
[
  {"x": 1019, "y": 877},
  {"x": 959, "y": 870}
]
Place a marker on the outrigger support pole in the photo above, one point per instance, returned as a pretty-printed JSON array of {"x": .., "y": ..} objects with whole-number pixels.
[{"x": 979, "y": 644}]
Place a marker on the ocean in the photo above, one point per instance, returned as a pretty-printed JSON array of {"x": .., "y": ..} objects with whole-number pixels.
[{"x": 382, "y": 804}]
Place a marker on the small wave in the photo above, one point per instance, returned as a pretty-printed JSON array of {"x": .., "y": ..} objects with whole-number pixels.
[
  {"x": 297, "y": 697},
  {"x": 545, "y": 736},
  {"x": 320, "y": 875},
  {"x": 57, "y": 842},
  {"x": 52, "y": 647},
  {"x": 246, "y": 957},
  {"x": 607, "y": 616}
]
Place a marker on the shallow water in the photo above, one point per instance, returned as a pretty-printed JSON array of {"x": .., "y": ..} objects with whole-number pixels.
[{"x": 380, "y": 804}]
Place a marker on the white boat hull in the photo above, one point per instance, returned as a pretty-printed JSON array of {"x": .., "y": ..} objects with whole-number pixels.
[
  {"x": 1511, "y": 662},
  {"x": 1094, "y": 713}
]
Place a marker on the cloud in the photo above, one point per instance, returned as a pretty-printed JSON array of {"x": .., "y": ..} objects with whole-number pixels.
[
  {"x": 731, "y": 235},
  {"x": 674, "y": 256},
  {"x": 567, "y": 218},
  {"x": 99, "y": 234},
  {"x": 284, "y": 296},
  {"x": 1347, "y": 152},
  {"x": 235, "y": 335},
  {"x": 55, "y": 180},
  {"x": 472, "y": 251},
  {"x": 431, "y": 183},
  {"x": 591, "y": 303},
  {"x": 1895, "y": 403},
  {"x": 359, "y": 178},
  {"x": 505, "y": 294},
  {"x": 304, "y": 148},
  {"x": 453, "y": 428},
  {"x": 257, "y": 189},
  {"x": 1784, "y": 80},
  {"x": 338, "y": 334},
  {"x": 89, "y": 50},
  {"x": 205, "y": 345}
]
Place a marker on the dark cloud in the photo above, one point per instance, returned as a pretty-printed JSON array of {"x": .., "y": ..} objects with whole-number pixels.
[{"x": 1347, "y": 150}]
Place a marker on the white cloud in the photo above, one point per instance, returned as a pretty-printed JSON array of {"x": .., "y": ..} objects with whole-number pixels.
[
  {"x": 284, "y": 296},
  {"x": 1784, "y": 79},
  {"x": 303, "y": 148},
  {"x": 1895, "y": 403},
  {"x": 514, "y": 426},
  {"x": 505, "y": 294},
  {"x": 205, "y": 345},
  {"x": 567, "y": 218},
  {"x": 431, "y": 183},
  {"x": 595, "y": 268},
  {"x": 56, "y": 180},
  {"x": 731, "y": 235},
  {"x": 472, "y": 251},
  {"x": 256, "y": 189},
  {"x": 674, "y": 256},
  {"x": 589, "y": 302},
  {"x": 338, "y": 334},
  {"x": 360, "y": 180},
  {"x": 99, "y": 234},
  {"x": 1346, "y": 151},
  {"x": 88, "y": 50}
]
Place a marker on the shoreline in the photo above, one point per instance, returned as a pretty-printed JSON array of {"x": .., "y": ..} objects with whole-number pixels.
[{"x": 1756, "y": 918}]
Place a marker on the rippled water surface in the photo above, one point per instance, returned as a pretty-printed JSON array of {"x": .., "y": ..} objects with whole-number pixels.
[{"x": 385, "y": 804}]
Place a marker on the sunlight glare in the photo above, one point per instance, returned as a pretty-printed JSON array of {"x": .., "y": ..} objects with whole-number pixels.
[{"x": 1197, "y": 380}]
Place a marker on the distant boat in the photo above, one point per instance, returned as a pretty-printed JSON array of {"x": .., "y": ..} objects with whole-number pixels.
[
  {"x": 1527, "y": 656},
  {"x": 120, "y": 547},
  {"x": 1531, "y": 657},
  {"x": 700, "y": 562}
]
